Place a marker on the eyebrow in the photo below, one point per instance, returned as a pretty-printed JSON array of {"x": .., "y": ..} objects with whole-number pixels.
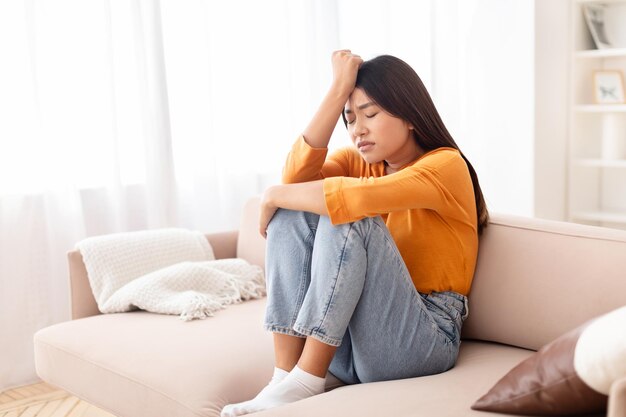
[{"x": 361, "y": 107}]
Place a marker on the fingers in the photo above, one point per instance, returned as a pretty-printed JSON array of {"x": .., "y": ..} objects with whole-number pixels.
[
  {"x": 345, "y": 68},
  {"x": 346, "y": 53},
  {"x": 263, "y": 228}
]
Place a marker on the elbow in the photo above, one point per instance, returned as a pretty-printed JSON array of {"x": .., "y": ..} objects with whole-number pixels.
[
  {"x": 289, "y": 179},
  {"x": 296, "y": 178},
  {"x": 287, "y": 176},
  {"x": 291, "y": 175}
]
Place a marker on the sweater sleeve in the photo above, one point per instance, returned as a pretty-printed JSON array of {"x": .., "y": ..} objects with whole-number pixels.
[
  {"x": 432, "y": 183},
  {"x": 305, "y": 163}
]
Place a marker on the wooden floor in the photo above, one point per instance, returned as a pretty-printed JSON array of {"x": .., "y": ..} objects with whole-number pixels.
[{"x": 43, "y": 400}]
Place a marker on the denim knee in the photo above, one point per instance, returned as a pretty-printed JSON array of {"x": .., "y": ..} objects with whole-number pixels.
[
  {"x": 284, "y": 218},
  {"x": 363, "y": 225}
]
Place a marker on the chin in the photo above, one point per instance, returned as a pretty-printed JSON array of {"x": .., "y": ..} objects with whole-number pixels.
[{"x": 371, "y": 159}]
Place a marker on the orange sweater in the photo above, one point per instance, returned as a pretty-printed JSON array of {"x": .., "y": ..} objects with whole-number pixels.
[{"x": 428, "y": 206}]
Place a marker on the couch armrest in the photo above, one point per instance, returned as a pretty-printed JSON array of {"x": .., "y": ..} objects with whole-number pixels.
[
  {"x": 617, "y": 399},
  {"x": 224, "y": 244},
  {"x": 83, "y": 303},
  {"x": 81, "y": 298}
]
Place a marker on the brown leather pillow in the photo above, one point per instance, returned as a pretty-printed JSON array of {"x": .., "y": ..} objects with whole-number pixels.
[{"x": 572, "y": 375}]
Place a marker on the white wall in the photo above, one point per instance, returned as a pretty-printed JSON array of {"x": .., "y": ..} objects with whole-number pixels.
[
  {"x": 484, "y": 89},
  {"x": 551, "y": 103},
  {"x": 501, "y": 84}
]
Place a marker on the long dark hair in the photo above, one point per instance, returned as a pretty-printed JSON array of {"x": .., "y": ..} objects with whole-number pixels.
[{"x": 393, "y": 85}]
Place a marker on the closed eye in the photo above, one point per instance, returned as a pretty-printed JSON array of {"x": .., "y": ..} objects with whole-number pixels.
[{"x": 368, "y": 116}]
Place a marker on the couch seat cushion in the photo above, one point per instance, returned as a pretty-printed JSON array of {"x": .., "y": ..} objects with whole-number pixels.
[
  {"x": 142, "y": 364},
  {"x": 449, "y": 394}
]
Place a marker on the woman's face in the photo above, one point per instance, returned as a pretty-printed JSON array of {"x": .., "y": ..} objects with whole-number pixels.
[{"x": 376, "y": 134}]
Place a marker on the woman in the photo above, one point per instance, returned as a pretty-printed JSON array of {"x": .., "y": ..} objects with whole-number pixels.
[{"x": 370, "y": 252}]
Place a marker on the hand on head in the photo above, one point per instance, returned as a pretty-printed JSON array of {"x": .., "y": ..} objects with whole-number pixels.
[{"x": 345, "y": 68}]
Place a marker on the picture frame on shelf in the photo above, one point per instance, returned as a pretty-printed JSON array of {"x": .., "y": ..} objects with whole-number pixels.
[
  {"x": 608, "y": 87},
  {"x": 595, "y": 16}
]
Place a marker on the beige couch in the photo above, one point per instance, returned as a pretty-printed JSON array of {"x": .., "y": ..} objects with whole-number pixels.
[{"x": 534, "y": 281}]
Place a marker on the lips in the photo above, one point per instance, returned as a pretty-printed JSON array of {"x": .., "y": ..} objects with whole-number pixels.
[{"x": 364, "y": 146}]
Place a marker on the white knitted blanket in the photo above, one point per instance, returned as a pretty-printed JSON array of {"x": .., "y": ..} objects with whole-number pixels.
[{"x": 168, "y": 271}]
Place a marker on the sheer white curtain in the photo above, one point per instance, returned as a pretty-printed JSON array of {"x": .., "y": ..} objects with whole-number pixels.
[
  {"x": 120, "y": 115},
  {"x": 85, "y": 148}
]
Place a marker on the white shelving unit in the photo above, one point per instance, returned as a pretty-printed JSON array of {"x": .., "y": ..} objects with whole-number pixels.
[{"x": 597, "y": 132}]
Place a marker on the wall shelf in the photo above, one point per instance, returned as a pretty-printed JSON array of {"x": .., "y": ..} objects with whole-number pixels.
[
  {"x": 600, "y": 108},
  {"x": 596, "y": 181},
  {"x": 600, "y": 163},
  {"x": 601, "y": 53},
  {"x": 580, "y": 2}
]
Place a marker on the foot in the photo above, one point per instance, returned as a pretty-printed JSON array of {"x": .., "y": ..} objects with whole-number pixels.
[{"x": 296, "y": 386}]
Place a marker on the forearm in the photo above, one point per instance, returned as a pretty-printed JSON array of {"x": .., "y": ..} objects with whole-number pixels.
[
  {"x": 305, "y": 196},
  {"x": 318, "y": 132}
]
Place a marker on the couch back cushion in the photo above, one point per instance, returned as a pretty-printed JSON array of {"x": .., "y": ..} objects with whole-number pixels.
[
  {"x": 537, "y": 279},
  {"x": 250, "y": 244}
]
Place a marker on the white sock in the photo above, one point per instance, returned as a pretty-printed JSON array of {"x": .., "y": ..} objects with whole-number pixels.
[
  {"x": 294, "y": 387},
  {"x": 279, "y": 375}
]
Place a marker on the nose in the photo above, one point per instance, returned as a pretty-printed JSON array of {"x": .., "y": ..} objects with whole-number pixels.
[{"x": 359, "y": 128}]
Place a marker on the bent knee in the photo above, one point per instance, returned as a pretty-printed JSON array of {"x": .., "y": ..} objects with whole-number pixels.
[{"x": 289, "y": 219}]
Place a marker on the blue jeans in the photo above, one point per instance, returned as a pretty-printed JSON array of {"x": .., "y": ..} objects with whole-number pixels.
[{"x": 348, "y": 286}]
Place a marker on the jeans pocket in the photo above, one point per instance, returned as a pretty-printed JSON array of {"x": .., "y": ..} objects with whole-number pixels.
[
  {"x": 446, "y": 312},
  {"x": 448, "y": 327}
]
